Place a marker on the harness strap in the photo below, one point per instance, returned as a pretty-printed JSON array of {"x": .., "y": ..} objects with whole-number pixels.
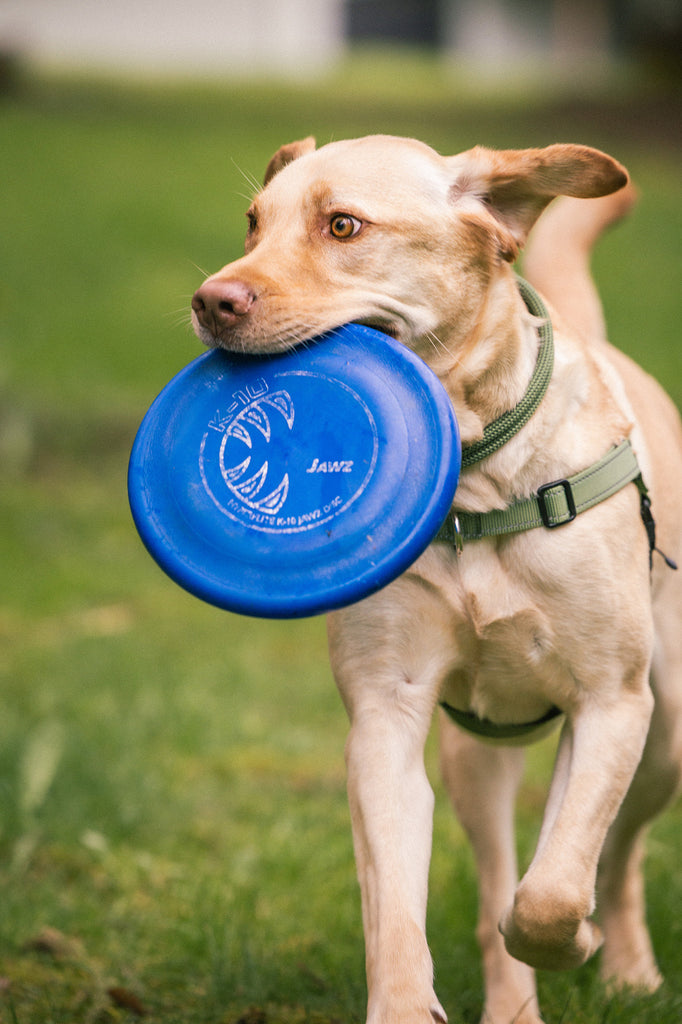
[
  {"x": 554, "y": 504},
  {"x": 483, "y": 727}
]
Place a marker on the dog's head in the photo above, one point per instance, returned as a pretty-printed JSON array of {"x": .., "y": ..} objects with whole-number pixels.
[{"x": 384, "y": 231}]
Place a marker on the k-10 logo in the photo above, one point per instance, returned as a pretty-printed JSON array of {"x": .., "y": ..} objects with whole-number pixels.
[{"x": 256, "y": 455}]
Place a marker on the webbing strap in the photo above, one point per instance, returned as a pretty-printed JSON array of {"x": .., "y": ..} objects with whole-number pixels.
[
  {"x": 507, "y": 731},
  {"x": 553, "y": 505},
  {"x": 497, "y": 433}
]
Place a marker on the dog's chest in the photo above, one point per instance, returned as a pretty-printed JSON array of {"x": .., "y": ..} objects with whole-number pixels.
[{"x": 508, "y": 665}]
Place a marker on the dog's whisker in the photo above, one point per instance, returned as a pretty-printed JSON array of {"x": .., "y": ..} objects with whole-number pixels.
[
  {"x": 293, "y": 338},
  {"x": 179, "y": 317},
  {"x": 437, "y": 343},
  {"x": 204, "y": 273},
  {"x": 184, "y": 308},
  {"x": 250, "y": 180},
  {"x": 440, "y": 347}
]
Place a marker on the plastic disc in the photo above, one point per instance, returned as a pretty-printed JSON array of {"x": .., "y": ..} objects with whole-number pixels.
[{"x": 289, "y": 485}]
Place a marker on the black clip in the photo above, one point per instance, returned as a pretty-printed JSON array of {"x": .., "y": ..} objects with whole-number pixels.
[
  {"x": 650, "y": 527},
  {"x": 542, "y": 504}
]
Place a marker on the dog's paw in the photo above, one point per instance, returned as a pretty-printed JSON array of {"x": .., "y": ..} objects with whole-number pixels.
[
  {"x": 406, "y": 1009},
  {"x": 510, "y": 999},
  {"x": 387, "y": 1016},
  {"x": 641, "y": 975},
  {"x": 553, "y": 945},
  {"x": 526, "y": 1015}
]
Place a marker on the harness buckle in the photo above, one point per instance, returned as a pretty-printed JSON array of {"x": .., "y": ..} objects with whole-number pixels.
[
  {"x": 542, "y": 503},
  {"x": 458, "y": 539}
]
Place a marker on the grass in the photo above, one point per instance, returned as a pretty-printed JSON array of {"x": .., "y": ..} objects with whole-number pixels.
[{"x": 174, "y": 836}]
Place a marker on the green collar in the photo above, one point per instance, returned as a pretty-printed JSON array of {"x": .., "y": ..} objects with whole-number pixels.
[{"x": 497, "y": 433}]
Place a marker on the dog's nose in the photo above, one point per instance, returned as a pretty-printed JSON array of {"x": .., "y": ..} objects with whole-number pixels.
[{"x": 220, "y": 304}]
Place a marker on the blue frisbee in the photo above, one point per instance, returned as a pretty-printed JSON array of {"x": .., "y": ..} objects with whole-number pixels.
[{"x": 289, "y": 485}]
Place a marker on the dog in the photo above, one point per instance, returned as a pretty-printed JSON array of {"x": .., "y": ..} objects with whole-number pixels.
[{"x": 572, "y": 623}]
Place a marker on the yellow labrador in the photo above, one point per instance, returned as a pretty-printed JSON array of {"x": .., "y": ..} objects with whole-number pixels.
[{"x": 574, "y": 619}]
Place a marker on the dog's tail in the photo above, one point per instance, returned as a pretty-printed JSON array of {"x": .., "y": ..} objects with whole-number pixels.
[{"x": 557, "y": 257}]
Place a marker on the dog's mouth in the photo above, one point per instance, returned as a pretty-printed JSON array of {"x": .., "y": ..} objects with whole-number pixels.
[
  {"x": 238, "y": 345},
  {"x": 380, "y": 324}
]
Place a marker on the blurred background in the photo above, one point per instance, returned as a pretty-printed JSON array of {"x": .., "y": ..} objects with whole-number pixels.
[
  {"x": 174, "y": 836},
  {"x": 296, "y": 36}
]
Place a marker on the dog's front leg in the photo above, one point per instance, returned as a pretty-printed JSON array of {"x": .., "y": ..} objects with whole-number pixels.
[
  {"x": 391, "y": 805},
  {"x": 549, "y": 923}
]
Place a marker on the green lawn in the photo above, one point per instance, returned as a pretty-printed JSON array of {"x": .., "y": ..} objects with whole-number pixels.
[{"x": 174, "y": 836}]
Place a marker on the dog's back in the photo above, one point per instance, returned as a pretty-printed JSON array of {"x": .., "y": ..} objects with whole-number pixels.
[{"x": 557, "y": 262}]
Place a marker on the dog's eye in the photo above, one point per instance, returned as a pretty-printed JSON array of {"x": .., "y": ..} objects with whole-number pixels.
[
  {"x": 342, "y": 225},
  {"x": 253, "y": 221}
]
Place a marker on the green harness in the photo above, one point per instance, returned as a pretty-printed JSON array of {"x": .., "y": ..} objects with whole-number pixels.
[{"x": 554, "y": 504}]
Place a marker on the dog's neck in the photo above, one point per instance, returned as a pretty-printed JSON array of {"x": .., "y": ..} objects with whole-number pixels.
[{"x": 487, "y": 370}]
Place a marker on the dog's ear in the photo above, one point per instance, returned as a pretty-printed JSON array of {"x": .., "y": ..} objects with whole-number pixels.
[
  {"x": 517, "y": 184},
  {"x": 286, "y": 154}
]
